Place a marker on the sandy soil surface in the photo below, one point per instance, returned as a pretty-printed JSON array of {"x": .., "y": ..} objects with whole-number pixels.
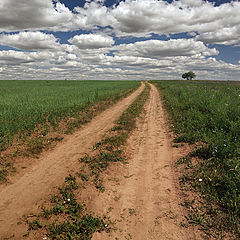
[
  {"x": 24, "y": 194},
  {"x": 142, "y": 197}
]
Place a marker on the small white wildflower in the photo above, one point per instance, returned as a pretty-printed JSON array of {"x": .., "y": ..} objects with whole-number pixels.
[
  {"x": 200, "y": 180},
  {"x": 106, "y": 225},
  {"x": 69, "y": 199},
  {"x": 44, "y": 238},
  {"x": 64, "y": 202}
]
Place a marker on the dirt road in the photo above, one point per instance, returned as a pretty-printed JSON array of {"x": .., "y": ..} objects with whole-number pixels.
[
  {"x": 23, "y": 196},
  {"x": 141, "y": 197}
]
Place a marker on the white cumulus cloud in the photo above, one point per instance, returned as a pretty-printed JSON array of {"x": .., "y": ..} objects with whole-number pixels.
[
  {"x": 172, "y": 47},
  {"x": 91, "y": 41},
  {"x": 225, "y": 36},
  {"x": 12, "y": 57},
  {"x": 29, "y": 40},
  {"x": 153, "y": 16},
  {"x": 30, "y": 25},
  {"x": 33, "y": 15}
]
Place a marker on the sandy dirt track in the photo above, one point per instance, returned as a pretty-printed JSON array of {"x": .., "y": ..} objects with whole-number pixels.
[
  {"x": 23, "y": 196},
  {"x": 141, "y": 197}
]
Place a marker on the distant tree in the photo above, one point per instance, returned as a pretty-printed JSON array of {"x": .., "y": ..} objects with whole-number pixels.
[
  {"x": 189, "y": 75},
  {"x": 185, "y": 76}
]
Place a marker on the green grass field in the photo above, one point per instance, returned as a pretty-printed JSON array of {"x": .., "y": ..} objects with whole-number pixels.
[
  {"x": 26, "y": 105},
  {"x": 208, "y": 113}
]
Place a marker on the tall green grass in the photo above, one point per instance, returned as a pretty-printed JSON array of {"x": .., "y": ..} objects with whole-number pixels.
[
  {"x": 24, "y": 105},
  {"x": 209, "y": 113}
]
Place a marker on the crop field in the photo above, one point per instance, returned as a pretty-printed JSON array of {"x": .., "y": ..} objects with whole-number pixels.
[
  {"x": 26, "y": 105},
  {"x": 207, "y": 115}
]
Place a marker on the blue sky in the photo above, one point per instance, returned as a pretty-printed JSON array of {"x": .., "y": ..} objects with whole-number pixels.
[
  {"x": 131, "y": 39},
  {"x": 71, "y": 4}
]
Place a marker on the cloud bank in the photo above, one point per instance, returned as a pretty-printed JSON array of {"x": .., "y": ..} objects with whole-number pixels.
[{"x": 132, "y": 39}]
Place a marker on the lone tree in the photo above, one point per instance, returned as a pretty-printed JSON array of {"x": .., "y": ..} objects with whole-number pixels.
[{"x": 189, "y": 75}]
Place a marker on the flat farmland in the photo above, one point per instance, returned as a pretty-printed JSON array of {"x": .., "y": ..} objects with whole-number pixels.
[{"x": 156, "y": 160}]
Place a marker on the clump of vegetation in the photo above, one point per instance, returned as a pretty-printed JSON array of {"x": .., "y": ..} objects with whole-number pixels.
[
  {"x": 4, "y": 170},
  {"x": 66, "y": 218},
  {"x": 208, "y": 113}
]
